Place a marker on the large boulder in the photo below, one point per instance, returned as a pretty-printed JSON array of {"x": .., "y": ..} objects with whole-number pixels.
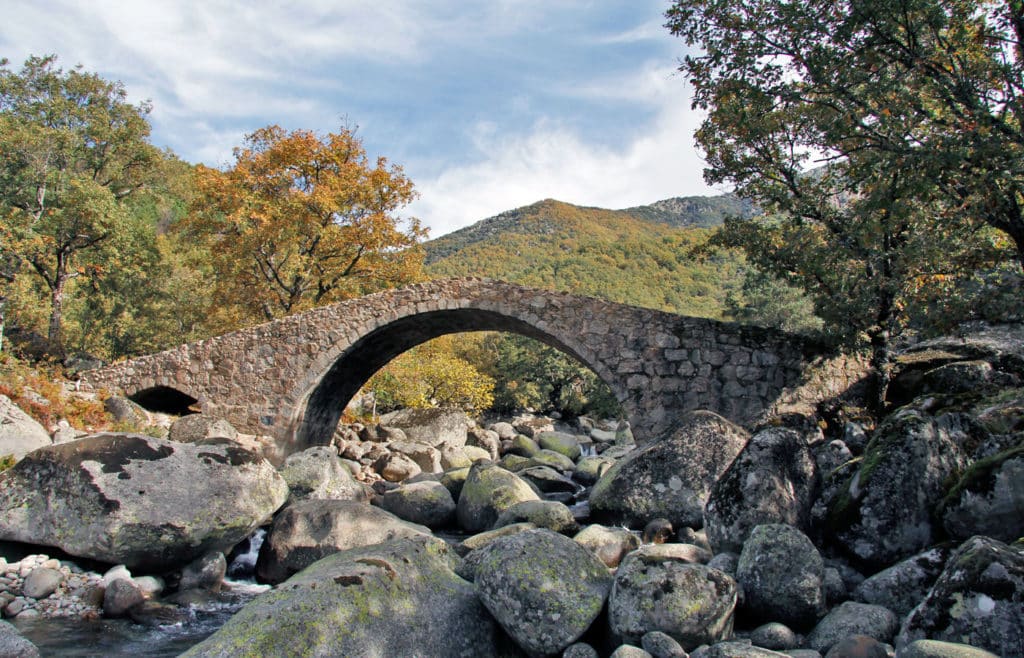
[
  {"x": 905, "y": 584},
  {"x": 426, "y": 503},
  {"x": 197, "y": 427},
  {"x": 400, "y": 598},
  {"x": 670, "y": 478},
  {"x": 20, "y": 434},
  {"x": 543, "y": 588},
  {"x": 14, "y": 645},
  {"x": 851, "y": 618},
  {"x": 978, "y": 600},
  {"x": 989, "y": 499},
  {"x": 318, "y": 473},
  {"x": 309, "y": 530},
  {"x": 430, "y": 426},
  {"x": 692, "y": 603},
  {"x": 137, "y": 500},
  {"x": 488, "y": 491},
  {"x": 610, "y": 545},
  {"x": 548, "y": 514},
  {"x": 770, "y": 481},
  {"x": 884, "y": 512},
  {"x": 783, "y": 576}
]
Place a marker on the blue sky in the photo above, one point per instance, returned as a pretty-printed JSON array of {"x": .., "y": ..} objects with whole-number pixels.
[{"x": 488, "y": 105}]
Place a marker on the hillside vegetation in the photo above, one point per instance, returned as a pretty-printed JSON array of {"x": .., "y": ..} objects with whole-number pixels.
[{"x": 639, "y": 256}]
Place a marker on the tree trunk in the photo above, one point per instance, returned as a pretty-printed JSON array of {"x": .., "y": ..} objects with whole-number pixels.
[
  {"x": 881, "y": 363},
  {"x": 3, "y": 304},
  {"x": 55, "y": 336}
]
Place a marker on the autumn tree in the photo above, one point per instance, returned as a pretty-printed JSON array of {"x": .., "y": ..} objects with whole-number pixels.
[
  {"x": 302, "y": 220},
  {"x": 71, "y": 150},
  {"x": 839, "y": 120}
]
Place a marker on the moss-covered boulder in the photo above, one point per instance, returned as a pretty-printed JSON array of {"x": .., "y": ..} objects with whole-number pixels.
[
  {"x": 783, "y": 577},
  {"x": 310, "y": 530},
  {"x": 543, "y": 588},
  {"x": 144, "y": 502},
  {"x": 989, "y": 499},
  {"x": 488, "y": 491},
  {"x": 426, "y": 503},
  {"x": 560, "y": 442},
  {"x": 885, "y": 511},
  {"x": 672, "y": 477},
  {"x": 549, "y": 481},
  {"x": 430, "y": 426},
  {"x": 548, "y": 514},
  {"x": 590, "y": 469},
  {"x": 977, "y": 600},
  {"x": 692, "y": 603},
  {"x": 319, "y": 474},
  {"x": 771, "y": 481},
  {"x": 400, "y": 598},
  {"x": 552, "y": 459}
]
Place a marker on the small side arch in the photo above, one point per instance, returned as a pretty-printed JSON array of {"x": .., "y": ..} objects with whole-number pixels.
[{"x": 165, "y": 399}]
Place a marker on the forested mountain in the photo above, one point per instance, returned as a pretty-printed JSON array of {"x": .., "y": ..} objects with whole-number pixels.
[{"x": 637, "y": 256}]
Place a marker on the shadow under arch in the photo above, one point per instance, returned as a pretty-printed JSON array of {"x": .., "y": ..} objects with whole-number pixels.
[
  {"x": 319, "y": 414},
  {"x": 165, "y": 399}
]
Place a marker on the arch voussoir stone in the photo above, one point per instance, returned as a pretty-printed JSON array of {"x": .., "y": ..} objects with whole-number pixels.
[{"x": 291, "y": 378}]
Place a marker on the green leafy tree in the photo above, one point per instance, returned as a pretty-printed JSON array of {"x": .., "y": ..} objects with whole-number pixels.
[
  {"x": 837, "y": 140},
  {"x": 933, "y": 87},
  {"x": 767, "y": 301},
  {"x": 71, "y": 150}
]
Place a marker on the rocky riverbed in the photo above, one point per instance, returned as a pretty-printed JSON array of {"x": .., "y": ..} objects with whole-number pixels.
[{"x": 819, "y": 531}]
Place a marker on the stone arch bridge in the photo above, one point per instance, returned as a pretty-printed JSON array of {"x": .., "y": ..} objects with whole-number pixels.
[{"x": 291, "y": 378}]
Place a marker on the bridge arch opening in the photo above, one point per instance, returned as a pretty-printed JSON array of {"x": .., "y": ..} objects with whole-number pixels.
[
  {"x": 319, "y": 414},
  {"x": 165, "y": 399}
]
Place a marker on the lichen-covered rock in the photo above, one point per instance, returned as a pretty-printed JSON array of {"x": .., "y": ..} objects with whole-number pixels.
[
  {"x": 989, "y": 499},
  {"x": 782, "y": 575},
  {"x": 905, "y": 584},
  {"x": 486, "y": 439},
  {"x": 543, "y": 588},
  {"x": 552, "y": 459},
  {"x": 207, "y": 572},
  {"x": 396, "y": 467},
  {"x": 851, "y": 618},
  {"x": 672, "y": 477},
  {"x": 884, "y": 513},
  {"x": 548, "y": 480},
  {"x": 136, "y": 500},
  {"x": 197, "y": 427},
  {"x": 308, "y": 530},
  {"x": 978, "y": 600},
  {"x": 560, "y": 442},
  {"x": 400, "y": 598},
  {"x": 548, "y": 514},
  {"x": 430, "y": 426},
  {"x": 318, "y": 473},
  {"x": 737, "y": 649},
  {"x": 425, "y": 503},
  {"x": 488, "y": 491},
  {"x": 629, "y": 651},
  {"x": 20, "y": 434},
  {"x": 662, "y": 645},
  {"x": 427, "y": 457},
  {"x": 524, "y": 446},
  {"x": 690, "y": 602},
  {"x": 590, "y": 469},
  {"x": 774, "y": 636},
  {"x": 609, "y": 544},
  {"x": 770, "y": 481}
]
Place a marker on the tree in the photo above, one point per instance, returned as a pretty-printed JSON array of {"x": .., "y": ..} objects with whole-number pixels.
[
  {"x": 934, "y": 87},
  {"x": 432, "y": 375},
  {"x": 302, "y": 220},
  {"x": 814, "y": 116},
  {"x": 71, "y": 149}
]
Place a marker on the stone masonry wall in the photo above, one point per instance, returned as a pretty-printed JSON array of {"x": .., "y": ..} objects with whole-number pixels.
[{"x": 262, "y": 379}]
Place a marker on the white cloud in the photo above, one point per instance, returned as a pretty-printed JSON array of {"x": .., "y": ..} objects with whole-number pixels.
[{"x": 551, "y": 161}]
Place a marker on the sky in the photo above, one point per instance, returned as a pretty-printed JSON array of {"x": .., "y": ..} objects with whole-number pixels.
[{"x": 488, "y": 105}]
